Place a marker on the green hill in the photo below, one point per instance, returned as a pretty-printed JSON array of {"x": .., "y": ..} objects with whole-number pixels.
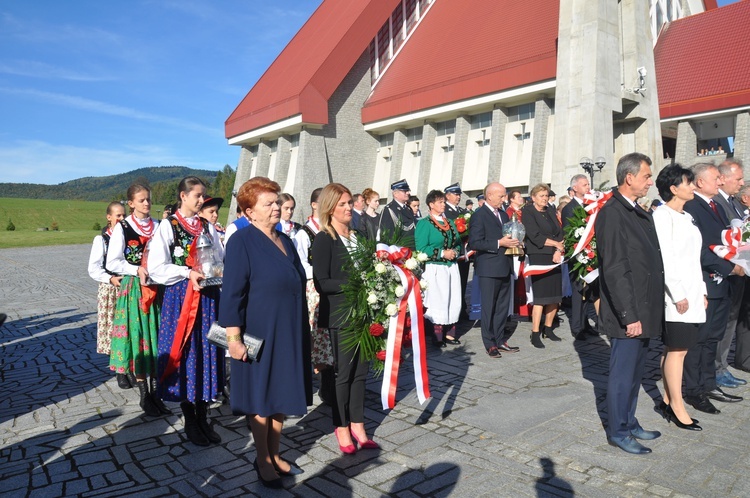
[{"x": 162, "y": 180}]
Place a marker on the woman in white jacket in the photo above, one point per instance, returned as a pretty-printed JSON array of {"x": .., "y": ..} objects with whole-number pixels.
[{"x": 685, "y": 298}]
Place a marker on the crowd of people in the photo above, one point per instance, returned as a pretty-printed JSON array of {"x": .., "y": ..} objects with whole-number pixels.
[{"x": 283, "y": 284}]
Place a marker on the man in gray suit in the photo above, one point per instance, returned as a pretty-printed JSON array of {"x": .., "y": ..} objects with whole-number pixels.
[{"x": 731, "y": 174}]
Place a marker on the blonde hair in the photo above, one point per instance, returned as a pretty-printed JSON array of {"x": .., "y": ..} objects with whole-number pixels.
[
  {"x": 538, "y": 188},
  {"x": 329, "y": 197}
]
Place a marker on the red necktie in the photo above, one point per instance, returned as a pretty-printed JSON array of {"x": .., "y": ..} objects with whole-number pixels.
[{"x": 713, "y": 206}]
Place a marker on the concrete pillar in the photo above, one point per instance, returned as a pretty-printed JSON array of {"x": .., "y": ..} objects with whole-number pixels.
[
  {"x": 283, "y": 157},
  {"x": 429, "y": 133},
  {"x": 742, "y": 139},
  {"x": 244, "y": 168},
  {"x": 312, "y": 170},
  {"x": 497, "y": 143},
  {"x": 542, "y": 112},
  {"x": 397, "y": 156},
  {"x": 263, "y": 159},
  {"x": 463, "y": 125},
  {"x": 686, "y": 151}
]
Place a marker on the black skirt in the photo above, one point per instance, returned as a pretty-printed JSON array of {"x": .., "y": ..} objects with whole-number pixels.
[
  {"x": 680, "y": 335},
  {"x": 547, "y": 287}
]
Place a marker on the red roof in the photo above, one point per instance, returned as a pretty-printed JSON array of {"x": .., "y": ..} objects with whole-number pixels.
[
  {"x": 468, "y": 48},
  {"x": 306, "y": 73},
  {"x": 703, "y": 62}
]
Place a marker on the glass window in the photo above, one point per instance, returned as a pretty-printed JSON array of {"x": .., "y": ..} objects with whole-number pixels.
[
  {"x": 413, "y": 134},
  {"x": 521, "y": 112},
  {"x": 384, "y": 41},
  {"x": 398, "y": 27},
  {"x": 446, "y": 127},
  {"x": 483, "y": 120},
  {"x": 386, "y": 140},
  {"x": 411, "y": 14},
  {"x": 294, "y": 140}
]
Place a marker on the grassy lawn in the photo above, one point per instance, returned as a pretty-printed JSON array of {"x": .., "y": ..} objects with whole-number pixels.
[{"x": 75, "y": 221}]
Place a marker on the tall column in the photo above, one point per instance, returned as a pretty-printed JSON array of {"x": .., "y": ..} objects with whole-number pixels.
[
  {"x": 283, "y": 157},
  {"x": 463, "y": 125},
  {"x": 397, "y": 156},
  {"x": 312, "y": 170},
  {"x": 429, "y": 133},
  {"x": 542, "y": 112},
  {"x": 686, "y": 149},
  {"x": 244, "y": 168},
  {"x": 742, "y": 139},
  {"x": 263, "y": 160},
  {"x": 497, "y": 143}
]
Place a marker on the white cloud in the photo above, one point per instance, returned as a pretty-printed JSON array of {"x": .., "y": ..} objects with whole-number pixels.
[
  {"x": 91, "y": 105},
  {"x": 33, "y": 161},
  {"x": 36, "y": 69}
]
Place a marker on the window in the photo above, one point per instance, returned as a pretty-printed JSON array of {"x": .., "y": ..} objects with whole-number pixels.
[
  {"x": 386, "y": 140},
  {"x": 521, "y": 112},
  {"x": 384, "y": 44},
  {"x": 397, "y": 19},
  {"x": 294, "y": 140},
  {"x": 414, "y": 134},
  {"x": 273, "y": 146},
  {"x": 446, "y": 127},
  {"x": 411, "y": 14},
  {"x": 524, "y": 135},
  {"x": 483, "y": 120}
]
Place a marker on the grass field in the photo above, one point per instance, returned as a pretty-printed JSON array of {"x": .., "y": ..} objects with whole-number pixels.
[{"x": 75, "y": 221}]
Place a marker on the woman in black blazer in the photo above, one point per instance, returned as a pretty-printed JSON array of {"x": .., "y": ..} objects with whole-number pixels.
[
  {"x": 330, "y": 254},
  {"x": 545, "y": 247}
]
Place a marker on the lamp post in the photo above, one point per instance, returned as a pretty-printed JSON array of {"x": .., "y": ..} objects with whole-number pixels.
[{"x": 591, "y": 167}]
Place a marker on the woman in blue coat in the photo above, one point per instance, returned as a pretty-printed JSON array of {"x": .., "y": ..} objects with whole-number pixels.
[{"x": 263, "y": 295}]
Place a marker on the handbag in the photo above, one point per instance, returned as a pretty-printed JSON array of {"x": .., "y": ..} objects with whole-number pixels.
[{"x": 217, "y": 335}]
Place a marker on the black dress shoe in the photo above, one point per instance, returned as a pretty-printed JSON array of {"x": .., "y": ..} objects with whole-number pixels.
[
  {"x": 719, "y": 395},
  {"x": 504, "y": 347},
  {"x": 272, "y": 484},
  {"x": 702, "y": 404},
  {"x": 438, "y": 344},
  {"x": 493, "y": 352},
  {"x": 671, "y": 417}
]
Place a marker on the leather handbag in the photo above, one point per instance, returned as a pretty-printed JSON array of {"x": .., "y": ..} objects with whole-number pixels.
[{"x": 217, "y": 335}]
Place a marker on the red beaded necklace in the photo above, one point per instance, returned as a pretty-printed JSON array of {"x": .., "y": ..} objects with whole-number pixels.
[
  {"x": 194, "y": 227},
  {"x": 147, "y": 229},
  {"x": 315, "y": 223},
  {"x": 441, "y": 223}
]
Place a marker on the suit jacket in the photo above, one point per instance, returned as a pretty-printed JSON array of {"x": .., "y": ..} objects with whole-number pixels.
[
  {"x": 484, "y": 232},
  {"x": 731, "y": 208},
  {"x": 330, "y": 260},
  {"x": 711, "y": 227},
  {"x": 356, "y": 220},
  {"x": 453, "y": 212},
  {"x": 404, "y": 221},
  {"x": 631, "y": 272},
  {"x": 567, "y": 212},
  {"x": 540, "y": 228}
]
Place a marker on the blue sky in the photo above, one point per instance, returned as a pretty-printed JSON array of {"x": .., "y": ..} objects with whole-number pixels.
[{"x": 91, "y": 88}]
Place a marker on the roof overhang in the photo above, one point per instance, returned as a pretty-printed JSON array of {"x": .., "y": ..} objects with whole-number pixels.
[{"x": 285, "y": 127}]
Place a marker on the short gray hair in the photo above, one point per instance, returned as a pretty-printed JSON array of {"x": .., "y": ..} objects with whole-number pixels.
[
  {"x": 630, "y": 164},
  {"x": 699, "y": 169},
  {"x": 725, "y": 168},
  {"x": 744, "y": 190},
  {"x": 577, "y": 178}
]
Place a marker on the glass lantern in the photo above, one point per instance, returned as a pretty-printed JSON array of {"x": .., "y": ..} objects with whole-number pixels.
[
  {"x": 208, "y": 261},
  {"x": 517, "y": 231}
]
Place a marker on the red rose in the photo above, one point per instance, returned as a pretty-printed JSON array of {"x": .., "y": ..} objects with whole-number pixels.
[
  {"x": 461, "y": 225},
  {"x": 376, "y": 330},
  {"x": 589, "y": 269},
  {"x": 380, "y": 355}
]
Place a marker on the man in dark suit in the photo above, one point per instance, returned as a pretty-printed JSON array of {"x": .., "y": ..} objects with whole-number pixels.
[
  {"x": 582, "y": 299},
  {"x": 631, "y": 277},
  {"x": 358, "y": 205},
  {"x": 492, "y": 266},
  {"x": 700, "y": 369},
  {"x": 397, "y": 216},
  {"x": 453, "y": 210},
  {"x": 732, "y": 177}
]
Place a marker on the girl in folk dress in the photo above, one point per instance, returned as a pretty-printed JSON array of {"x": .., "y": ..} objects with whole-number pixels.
[
  {"x": 136, "y": 320},
  {"x": 109, "y": 282},
  {"x": 191, "y": 369}
]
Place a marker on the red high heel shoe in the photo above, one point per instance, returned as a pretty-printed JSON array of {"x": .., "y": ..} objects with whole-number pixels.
[
  {"x": 367, "y": 444},
  {"x": 346, "y": 450}
]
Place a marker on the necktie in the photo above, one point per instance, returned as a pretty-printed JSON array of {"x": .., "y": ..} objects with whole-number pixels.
[
  {"x": 734, "y": 206},
  {"x": 497, "y": 214},
  {"x": 713, "y": 206}
]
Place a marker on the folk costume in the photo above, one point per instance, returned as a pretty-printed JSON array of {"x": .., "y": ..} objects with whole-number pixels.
[
  {"x": 191, "y": 370},
  {"x": 107, "y": 294},
  {"x": 136, "y": 321}
]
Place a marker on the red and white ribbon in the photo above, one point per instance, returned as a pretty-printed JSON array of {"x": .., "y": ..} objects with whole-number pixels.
[
  {"x": 410, "y": 302},
  {"x": 732, "y": 238},
  {"x": 592, "y": 203}
]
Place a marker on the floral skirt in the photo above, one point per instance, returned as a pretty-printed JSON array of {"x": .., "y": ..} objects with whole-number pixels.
[
  {"x": 133, "y": 332},
  {"x": 106, "y": 300},
  {"x": 200, "y": 375},
  {"x": 321, "y": 350}
]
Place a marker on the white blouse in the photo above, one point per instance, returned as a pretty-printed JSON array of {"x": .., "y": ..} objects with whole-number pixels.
[
  {"x": 302, "y": 242},
  {"x": 96, "y": 261},
  {"x": 680, "y": 241},
  {"x": 159, "y": 264},
  {"x": 116, "y": 261}
]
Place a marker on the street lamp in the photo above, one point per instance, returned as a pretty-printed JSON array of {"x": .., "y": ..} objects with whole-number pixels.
[{"x": 588, "y": 166}]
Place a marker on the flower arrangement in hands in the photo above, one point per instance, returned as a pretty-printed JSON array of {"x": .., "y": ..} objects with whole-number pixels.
[
  {"x": 585, "y": 262},
  {"x": 462, "y": 225},
  {"x": 372, "y": 294}
]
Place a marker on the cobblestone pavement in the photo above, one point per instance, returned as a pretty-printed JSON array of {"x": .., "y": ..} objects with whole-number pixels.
[{"x": 527, "y": 424}]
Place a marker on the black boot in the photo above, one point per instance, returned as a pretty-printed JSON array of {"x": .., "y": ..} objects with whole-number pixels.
[
  {"x": 192, "y": 431},
  {"x": 123, "y": 382},
  {"x": 157, "y": 400},
  {"x": 536, "y": 340},
  {"x": 131, "y": 379},
  {"x": 547, "y": 333},
  {"x": 201, "y": 415},
  {"x": 146, "y": 403}
]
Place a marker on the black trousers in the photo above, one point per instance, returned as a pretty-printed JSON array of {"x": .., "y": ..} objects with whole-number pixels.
[
  {"x": 700, "y": 370},
  {"x": 495, "y": 308},
  {"x": 580, "y": 309},
  {"x": 742, "y": 345},
  {"x": 463, "y": 272},
  {"x": 351, "y": 374},
  {"x": 627, "y": 361}
]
